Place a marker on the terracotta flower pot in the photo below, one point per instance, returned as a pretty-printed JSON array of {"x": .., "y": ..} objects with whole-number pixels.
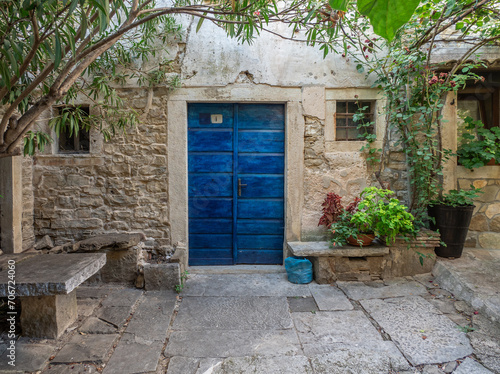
[{"x": 363, "y": 240}]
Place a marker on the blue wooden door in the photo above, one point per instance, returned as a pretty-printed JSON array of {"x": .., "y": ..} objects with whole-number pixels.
[{"x": 236, "y": 183}]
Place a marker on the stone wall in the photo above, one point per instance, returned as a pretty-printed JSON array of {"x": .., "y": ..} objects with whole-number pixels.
[
  {"x": 28, "y": 204},
  {"x": 121, "y": 186},
  {"x": 344, "y": 173},
  {"x": 484, "y": 229},
  {"x": 394, "y": 171}
]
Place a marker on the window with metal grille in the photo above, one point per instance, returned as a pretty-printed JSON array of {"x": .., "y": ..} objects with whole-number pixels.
[
  {"x": 74, "y": 137},
  {"x": 354, "y": 119}
]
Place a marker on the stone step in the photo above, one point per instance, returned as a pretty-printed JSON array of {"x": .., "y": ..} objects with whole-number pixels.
[
  {"x": 237, "y": 269},
  {"x": 473, "y": 278}
]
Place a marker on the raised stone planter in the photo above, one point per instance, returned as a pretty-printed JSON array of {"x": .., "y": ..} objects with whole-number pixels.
[{"x": 368, "y": 263}]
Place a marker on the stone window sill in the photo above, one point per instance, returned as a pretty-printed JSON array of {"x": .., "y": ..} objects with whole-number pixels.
[{"x": 69, "y": 159}]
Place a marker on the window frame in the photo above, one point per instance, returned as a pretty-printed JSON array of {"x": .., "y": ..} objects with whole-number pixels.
[
  {"x": 96, "y": 139},
  {"x": 352, "y": 94},
  {"x": 348, "y": 115},
  {"x": 75, "y": 137}
]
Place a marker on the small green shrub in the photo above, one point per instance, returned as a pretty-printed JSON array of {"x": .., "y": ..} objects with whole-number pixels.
[
  {"x": 478, "y": 145},
  {"x": 459, "y": 197},
  {"x": 377, "y": 213}
]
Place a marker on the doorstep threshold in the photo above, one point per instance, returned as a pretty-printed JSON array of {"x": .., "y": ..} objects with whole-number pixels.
[{"x": 236, "y": 269}]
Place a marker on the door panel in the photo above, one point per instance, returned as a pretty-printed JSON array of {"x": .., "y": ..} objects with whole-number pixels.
[
  {"x": 230, "y": 144},
  {"x": 254, "y": 164},
  {"x": 261, "y": 116},
  {"x": 216, "y": 241},
  {"x": 258, "y": 208},
  {"x": 211, "y": 184},
  {"x": 202, "y": 207},
  {"x": 199, "y": 115},
  {"x": 215, "y": 141},
  {"x": 260, "y": 226},
  {"x": 199, "y": 162},
  {"x": 210, "y": 226},
  {"x": 260, "y": 142},
  {"x": 261, "y": 185},
  {"x": 260, "y": 242},
  {"x": 256, "y": 256}
]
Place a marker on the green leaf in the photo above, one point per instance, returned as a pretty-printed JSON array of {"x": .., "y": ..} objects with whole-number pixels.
[
  {"x": 73, "y": 6},
  {"x": 200, "y": 22},
  {"x": 84, "y": 25},
  {"x": 387, "y": 16},
  {"x": 58, "y": 51},
  {"x": 339, "y": 4}
]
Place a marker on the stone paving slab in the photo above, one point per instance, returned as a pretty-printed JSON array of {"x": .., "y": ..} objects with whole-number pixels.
[
  {"x": 152, "y": 317},
  {"x": 379, "y": 290},
  {"x": 243, "y": 285},
  {"x": 72, "y": 369},
  {"x": 329, "y": 297},
  {"x": 302, "y": 304},
  {"x": 94, "y": 325},
  {"x": 317, "y": 331},
  {"x": 427, "y": 280},
  {"x": 473, "y": 278},
  {"x": 233, "y": 313},
  {"x": 86, "y": 348},
  {"x": 85, "y": 307},
  {"x": 235, "y": 343},
  {"x": 116, "y": 315},
  {"x": 470, "y": 366},
  {"x": 422, "y": 333},
  {"x": 487, "y": 348},
  {"x": 232, "y": 365},
  {"x": 122, "y": 297},
  {"x": 51, "y": 275},
  {"x": 132, "y": 357},
  {"x": 362, "y": 359},
  {"x": 93, "y": 292},
  {"x": 29, "y": 357}
]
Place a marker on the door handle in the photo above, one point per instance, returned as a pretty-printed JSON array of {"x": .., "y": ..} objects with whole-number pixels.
[{"x": 239, "y": 186}]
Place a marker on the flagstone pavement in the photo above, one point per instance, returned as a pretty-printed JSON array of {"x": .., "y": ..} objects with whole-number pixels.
[{"x": 261, "y": 323}]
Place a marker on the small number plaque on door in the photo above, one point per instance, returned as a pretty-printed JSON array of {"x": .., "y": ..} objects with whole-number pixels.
[{"x": 216, "y": 118}]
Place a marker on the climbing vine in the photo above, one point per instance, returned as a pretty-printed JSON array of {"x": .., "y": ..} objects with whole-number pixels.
[{"x": 415, "y": 86}]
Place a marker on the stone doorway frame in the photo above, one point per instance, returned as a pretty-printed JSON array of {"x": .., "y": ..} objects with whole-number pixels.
[{"x": 177, "y": 149}]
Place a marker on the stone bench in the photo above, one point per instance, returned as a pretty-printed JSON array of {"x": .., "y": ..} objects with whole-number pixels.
[
  {"x": 375, "y": 262},
  {"x": 46, "y": 285}
]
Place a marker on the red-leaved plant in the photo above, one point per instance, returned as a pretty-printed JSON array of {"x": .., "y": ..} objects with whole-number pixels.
[{"x": 333, "y": 208}]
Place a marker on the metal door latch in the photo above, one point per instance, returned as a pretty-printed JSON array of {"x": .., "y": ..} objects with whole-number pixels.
[{"x": 239, "y": 186}]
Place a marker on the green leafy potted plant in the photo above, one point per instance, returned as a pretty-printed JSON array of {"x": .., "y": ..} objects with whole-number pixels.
[
  {"x": 376, "y": 213},
  {"x": 382, "y": 214},
  {"x": 451, "y": 215},
  {"x": 478, "y": 146}
]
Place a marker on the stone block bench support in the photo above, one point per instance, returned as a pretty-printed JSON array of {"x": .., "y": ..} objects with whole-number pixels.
[
  {"x": 46, "y": 286},
  {"x": 370, "y": 263}
]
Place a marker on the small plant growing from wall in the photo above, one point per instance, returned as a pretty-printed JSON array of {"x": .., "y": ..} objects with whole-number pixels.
[{"x": 184, "y": 277}]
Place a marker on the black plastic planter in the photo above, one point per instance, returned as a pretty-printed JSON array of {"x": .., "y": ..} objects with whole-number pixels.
[{"x": 453, "y": 225}]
